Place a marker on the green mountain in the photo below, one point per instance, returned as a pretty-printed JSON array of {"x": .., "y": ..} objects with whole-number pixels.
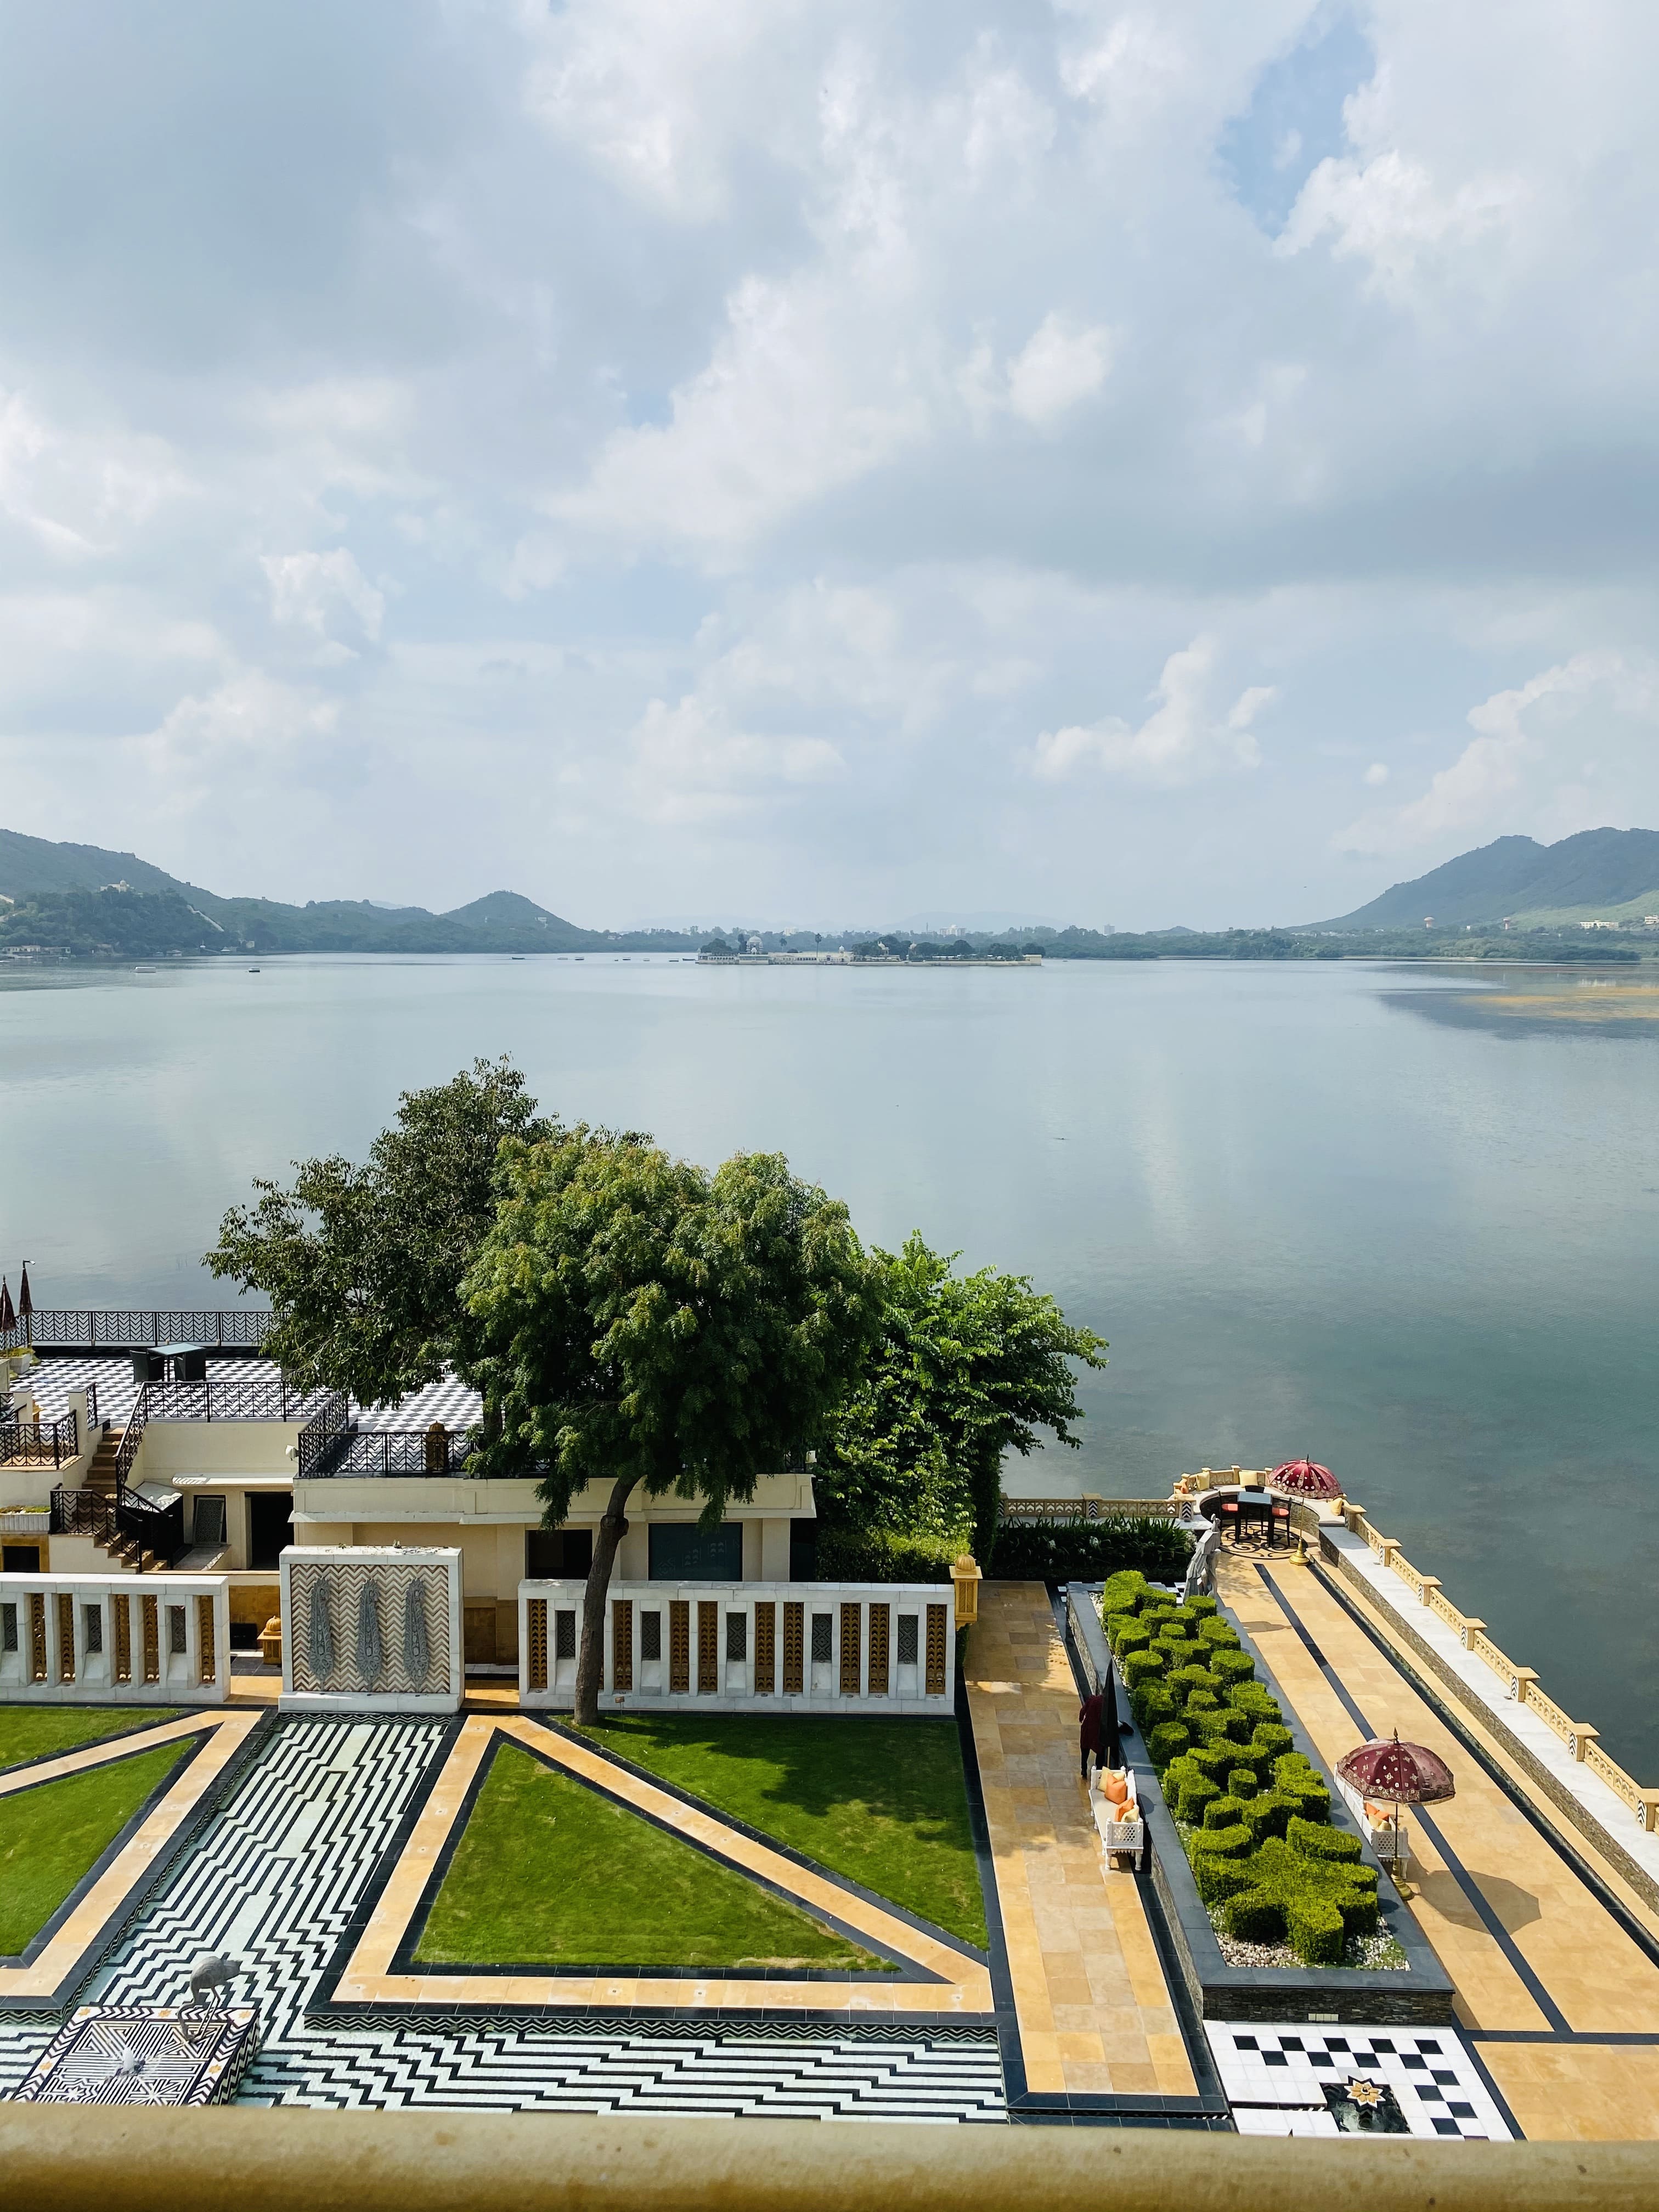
[
  {"x": 1515, "y": 877},
  {"x": 84, "y": 899}
]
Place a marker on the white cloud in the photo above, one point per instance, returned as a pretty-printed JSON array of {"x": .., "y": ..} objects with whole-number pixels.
[
  {"x": 314, "y": 591},
  {"x": 1184, "y": 738},
  {"x": 1060, "y": 366},
  {"x": 688, "y": 767},
  {"x": 1515, "y": 766},
  {"x": 1376, "y": 774}
]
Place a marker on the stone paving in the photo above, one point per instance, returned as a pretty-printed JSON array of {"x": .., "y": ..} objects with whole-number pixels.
[{"x": 1095, "y": 2015}]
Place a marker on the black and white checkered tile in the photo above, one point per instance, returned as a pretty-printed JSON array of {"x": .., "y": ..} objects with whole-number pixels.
[
  {"x": 1274, "y": 2077},
  {"x": 271, "y": 1880},
  {"x": 449, "y": 1401}
]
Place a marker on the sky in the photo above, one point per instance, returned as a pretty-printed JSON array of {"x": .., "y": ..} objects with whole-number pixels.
[{"x": 822, "y": 463}]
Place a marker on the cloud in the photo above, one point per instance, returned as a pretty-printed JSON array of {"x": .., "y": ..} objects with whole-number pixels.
[
  {"x": 1183, "y": 739},
  {"x": 1493, "y": 784},
  {"x": 315, "y": 590},
  {"x": 1060, "y": 366},
  {"x": 688, "y": 767}
]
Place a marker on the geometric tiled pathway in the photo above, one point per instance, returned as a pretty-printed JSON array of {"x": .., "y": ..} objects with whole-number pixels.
[{"x": 272, "y": 1878}]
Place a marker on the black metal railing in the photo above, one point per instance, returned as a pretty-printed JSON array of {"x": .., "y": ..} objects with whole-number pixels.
[
  {"x": 435, "y": 1450},
  {"x": 130, "y": 1329},
  {"x": 131, "y": 1436},
  {"x": 38, "y": 1442},
  {"x": 324, "y": 1436},
  {"x": 158, "y": 1528},
  {"x": 265, "y": 1397},
  {"x": 84, "y": 1513}
]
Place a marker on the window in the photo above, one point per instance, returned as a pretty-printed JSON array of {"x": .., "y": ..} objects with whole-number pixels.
[
  {"x": 7, "y": 1628},
  {"x": 736, "y": 1635},
  {"x": 564, "y": 1634},
  {"x": 682, "y": 1553},
  {"x": 820, "y": 1628},
  {"x": 93, "y": 1616},
  {"x": 555, "y": 1555},
  {"x": 175, "y": 1628},
  {"x": 208, "y": 1525},
  {"x": 650, "y": 1634},
  {"x": 909, "y": 1642}
]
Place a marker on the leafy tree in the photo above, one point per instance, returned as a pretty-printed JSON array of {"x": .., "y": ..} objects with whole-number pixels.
[
  {"x": 642, "y": 1325},
  {"x": 966, "y": 1369},
  {"x": 363, "y": 1265}
]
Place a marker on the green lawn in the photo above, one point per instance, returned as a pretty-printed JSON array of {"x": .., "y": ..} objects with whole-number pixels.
[
  {"x": 35, "y": 1731},
  {"x": 549, "y": 1873},
  {"x": 51, "y": 1836},
  {"x": 881, "y": 1802}
]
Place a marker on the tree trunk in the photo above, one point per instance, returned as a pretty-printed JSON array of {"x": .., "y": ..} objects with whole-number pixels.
[{"x": 590, "y": 1661}]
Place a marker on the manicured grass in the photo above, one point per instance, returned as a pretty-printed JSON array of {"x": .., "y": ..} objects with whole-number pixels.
[
  {"x": 548, "y": 1874},
  {"x": 883, "y": 1802},
  {"x": 36, "y": 1731},
  {"x": 52, "y": 1835}
]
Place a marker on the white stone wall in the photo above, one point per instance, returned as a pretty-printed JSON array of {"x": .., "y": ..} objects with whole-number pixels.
[
  {"x": 389, "y": 1635},
  {"x": 722, "y": 1646},
  {"x": 115, "y": 1639}
]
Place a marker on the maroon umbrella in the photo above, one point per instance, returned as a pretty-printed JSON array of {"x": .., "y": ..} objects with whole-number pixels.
[
  {"x": 25, "y": 1303},
  {"x": 1398, "y": 1774},
  {"x": 1305, "y": 1478},
  {"x": 8, "y": 1311}
]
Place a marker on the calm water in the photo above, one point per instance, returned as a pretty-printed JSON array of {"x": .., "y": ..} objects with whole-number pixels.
[{"x": 1328, "y": 1209}]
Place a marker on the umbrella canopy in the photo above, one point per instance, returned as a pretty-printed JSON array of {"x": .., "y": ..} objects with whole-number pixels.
[
  {"x": 25, "y": 1298},
  {"x": 8, "y": 1311},
  {"x": 1305, "y": 1478},
  {"x": 1397, "y": 1773}
]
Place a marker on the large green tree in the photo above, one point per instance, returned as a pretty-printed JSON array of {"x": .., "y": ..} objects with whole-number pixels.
[
  {"x": 966, "y": 1369},
  {"x": 641, "y": 1325},
  {"x": 363, "y": 1265}
]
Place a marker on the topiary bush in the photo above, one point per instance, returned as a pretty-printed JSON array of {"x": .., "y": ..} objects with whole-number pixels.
[
  {"x": 1281, "y": 1893},
  {"x": 1140, "y": 1665},
  {"x": 1223, "y": 1811},
  {"x": 1167, "y": 1741},
  {"x": 1234, "y": 1668}
]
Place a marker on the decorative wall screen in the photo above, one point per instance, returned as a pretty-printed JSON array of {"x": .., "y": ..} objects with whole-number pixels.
[{"x": 359, "y": 1627}]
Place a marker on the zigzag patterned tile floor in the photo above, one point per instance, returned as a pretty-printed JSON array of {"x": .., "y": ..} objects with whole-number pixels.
[{"x": 272, "y": 1877}]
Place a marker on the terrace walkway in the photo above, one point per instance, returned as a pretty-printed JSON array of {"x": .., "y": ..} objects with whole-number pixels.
[
  {"x": 1094, "y": 2011},
  {"x": 1559, "y": 1998}
]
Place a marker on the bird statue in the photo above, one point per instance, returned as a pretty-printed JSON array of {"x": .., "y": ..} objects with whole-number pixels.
[{"x": 212, "y": 1970}]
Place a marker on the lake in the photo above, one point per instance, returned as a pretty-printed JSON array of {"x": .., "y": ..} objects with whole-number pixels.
[{"x": 1355, "y": 1211}]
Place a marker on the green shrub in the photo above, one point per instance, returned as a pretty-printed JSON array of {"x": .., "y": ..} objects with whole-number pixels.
[
  {"x": 1131, "y": 1635},
  {"x": 1204, "y": 1607},
  {"x": 1318, "y": 1839},
  {"x": 1222, "y": 1811},
  {"x": 1269, "y": 1741},
  {"x": 1139, "y": 1667},
  {"x": 1254, "y": 1700},
  {"x": 1316, "y": 1926},
  {"x": 1234, "y": 1668},
  {"x": 1218, "y": 1632},
  {"x": 1196, "y": 1791},
  {"x": 1241, "y": 1782},
  {"x": 1253, "y": 1918},
  {"x": 1167, "y": 1741},
  {"x": 1266, "y": 1814},
  {"x": 1201, "y": 1704},
  {"x": 1297, "y": 1778},
  {"x": 1214, "y": 1761},
  {"x": 1230, "y": 1844},
  {"x": 1179, "y": 1771},
  {"x": 1088, "y": 1551},
  {"x": 847, "y": 1554},
  {"x": 1151, "y": 1703},
  {"x": 1181, "y": 1681},
  {"x": 1127, "y": 1587},
  {"x": 1223, "y": 1725}
]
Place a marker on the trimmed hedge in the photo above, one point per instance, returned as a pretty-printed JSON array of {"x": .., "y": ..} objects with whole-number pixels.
[
  {"x": 846, "y": 1554},
  {"x": 1254, "y": 1811},
  {"x": 1088, "y": 1551}
]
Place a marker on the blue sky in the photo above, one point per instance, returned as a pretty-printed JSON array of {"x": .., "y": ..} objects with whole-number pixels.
[{"x": 826, "y": 463}]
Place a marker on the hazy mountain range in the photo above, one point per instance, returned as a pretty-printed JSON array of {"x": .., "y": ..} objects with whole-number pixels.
[{"x": 84, "y": 899}]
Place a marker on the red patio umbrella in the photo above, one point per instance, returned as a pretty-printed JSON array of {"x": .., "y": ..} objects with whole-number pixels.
[
  {"x": 1305, "y": 1478},
  {"x": 1397, "y": 1774},
  {"x": 8, "y": 1311}
]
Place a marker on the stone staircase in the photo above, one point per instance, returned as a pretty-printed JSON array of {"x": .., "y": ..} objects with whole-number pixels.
[{"x": 129, "y": 1552}]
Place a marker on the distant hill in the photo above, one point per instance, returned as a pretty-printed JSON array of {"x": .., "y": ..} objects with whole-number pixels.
[
  {"x": 83, "y": 899},
  {"x": 1578, "y": 879}
]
